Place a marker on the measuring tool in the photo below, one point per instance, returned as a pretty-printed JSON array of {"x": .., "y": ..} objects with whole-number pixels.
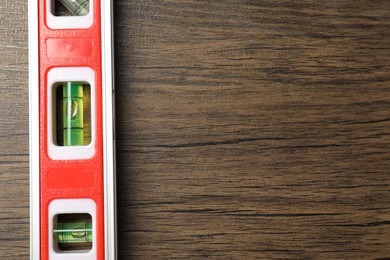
[{"x": 72, "y": 143}]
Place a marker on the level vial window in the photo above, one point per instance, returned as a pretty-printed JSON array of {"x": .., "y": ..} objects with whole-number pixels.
[
  {"x": 73, "y": 114},
  {"x": 73, "y": 232},
  {"x": 70, "y": 7}
]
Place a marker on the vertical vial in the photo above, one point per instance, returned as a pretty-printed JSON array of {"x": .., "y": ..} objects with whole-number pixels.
[
  {"x": 76, "y": 7},
  {"x": 73, "y": 232},
  {"x": 73, "y": 114}
]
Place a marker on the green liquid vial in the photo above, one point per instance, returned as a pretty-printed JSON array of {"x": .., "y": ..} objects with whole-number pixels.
[
  {"x": 76, "y": 7},
  {"x": 73, "y": 114},
  {"x": 73, "y": 232}
]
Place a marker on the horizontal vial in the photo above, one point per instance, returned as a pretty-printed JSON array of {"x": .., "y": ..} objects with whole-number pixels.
[{"x": 73, "y": 232}]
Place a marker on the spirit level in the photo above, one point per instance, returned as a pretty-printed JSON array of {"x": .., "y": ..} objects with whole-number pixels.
[{"x": 72, "y": 169}]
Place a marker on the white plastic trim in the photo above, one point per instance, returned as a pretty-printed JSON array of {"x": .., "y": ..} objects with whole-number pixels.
[
  {"x": 34, "y": 129},
  {"x": 68, "y": 22},
  {"x": 69, "y": 206},
  {"x": 75, "y": 74},
  {"x": 108, "y": 132}
]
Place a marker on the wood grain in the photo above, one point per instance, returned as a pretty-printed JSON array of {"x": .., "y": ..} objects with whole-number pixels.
[
  {"x": 245, "y": 129},
  {"x": 14, "y": 166}
]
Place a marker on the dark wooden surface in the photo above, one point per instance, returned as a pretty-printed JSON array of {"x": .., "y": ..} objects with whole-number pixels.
[{"x": 245, "y": 129}]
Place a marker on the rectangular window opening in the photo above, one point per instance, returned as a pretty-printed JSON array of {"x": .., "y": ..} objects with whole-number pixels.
[
  {"x": 73, "y": 232},
  {"x": 72, "y": 119},
  {"x": 70, "y": 7}
]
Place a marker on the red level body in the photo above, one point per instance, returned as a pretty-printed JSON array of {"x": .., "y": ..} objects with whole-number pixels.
[{"x": 75, "y": 184}]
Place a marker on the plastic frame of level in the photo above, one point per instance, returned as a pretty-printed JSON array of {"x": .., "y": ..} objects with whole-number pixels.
[{"x": 101, "y": 203}]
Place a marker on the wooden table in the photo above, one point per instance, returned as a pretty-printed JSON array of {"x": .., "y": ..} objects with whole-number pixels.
[{"x": 245, "y": 129}]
